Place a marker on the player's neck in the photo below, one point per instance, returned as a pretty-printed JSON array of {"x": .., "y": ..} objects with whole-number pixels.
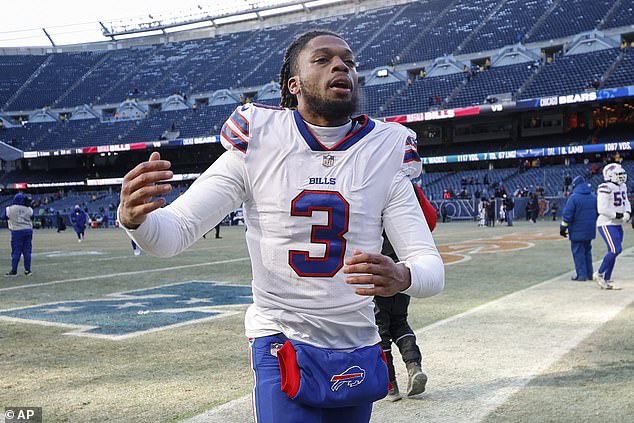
[{"x": 314, "y": 119}]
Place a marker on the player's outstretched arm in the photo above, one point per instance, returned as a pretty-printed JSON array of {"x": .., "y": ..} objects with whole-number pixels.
[{"x": 139, "y": 187}]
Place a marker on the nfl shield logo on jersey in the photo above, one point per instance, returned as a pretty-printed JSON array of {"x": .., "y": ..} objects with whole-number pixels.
[{"x": 328, "y": 160}]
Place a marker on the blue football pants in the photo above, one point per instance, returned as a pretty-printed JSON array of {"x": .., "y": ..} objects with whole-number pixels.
[
  {"x": 613, "y": 237},
  {"x": 272, "y": 405}
]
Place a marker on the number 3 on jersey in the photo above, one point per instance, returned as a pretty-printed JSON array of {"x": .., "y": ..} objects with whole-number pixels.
[{"x": 331, "y": 235}]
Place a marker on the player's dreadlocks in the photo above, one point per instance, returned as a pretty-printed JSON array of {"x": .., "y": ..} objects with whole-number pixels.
[{"x": 289, "y": 67}]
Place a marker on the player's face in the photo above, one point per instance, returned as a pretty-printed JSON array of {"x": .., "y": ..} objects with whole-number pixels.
[{"x": 326, "y": 81}]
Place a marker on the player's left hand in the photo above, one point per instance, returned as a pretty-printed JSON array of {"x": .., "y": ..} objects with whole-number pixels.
[{"x": 376, "y": 269}]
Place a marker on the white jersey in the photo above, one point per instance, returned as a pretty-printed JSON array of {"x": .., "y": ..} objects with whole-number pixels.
[
  {"x": 482, "y": 213},
  {"x": 307, "y": 207},
  {"x": 612, "y": 199}
]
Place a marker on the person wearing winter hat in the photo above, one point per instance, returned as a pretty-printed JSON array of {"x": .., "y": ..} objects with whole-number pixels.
[
  {"x": 579, "y": 223},
  {"x": 20, "y": 216}
]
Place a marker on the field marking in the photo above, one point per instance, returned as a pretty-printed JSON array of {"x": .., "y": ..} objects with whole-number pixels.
[
  {"x": 114, "y": 275},
  {"x": 478, "y": 358},
  {"x": 461, "y": 251},
  {"x": 83, "y": 330}
]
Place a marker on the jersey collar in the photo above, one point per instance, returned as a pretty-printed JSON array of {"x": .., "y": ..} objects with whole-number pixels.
[{"x": 361, "y": 126}]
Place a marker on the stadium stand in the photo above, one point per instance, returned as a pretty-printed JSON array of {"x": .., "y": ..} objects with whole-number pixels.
[
  {"x": 621, "y": 15},
  {"x": 375, "y": 96},
  {"x": 424, "y": 94},
  {"x": 100, "y": 85},
  {"x": 15, "y": 71},
  {"x": 496, "y": 80},
  {"x": 60, "y": 74},
  {"x": 449, "y": 30},
  {"x": 569, "y": 17},
  {"x": 508, "y": 26},
  {"x": 407, "y": 36},
  {"x": 242, "y": 60},
  {"x": 623, "y": 74},
  {"x": 571, "y": 74}
]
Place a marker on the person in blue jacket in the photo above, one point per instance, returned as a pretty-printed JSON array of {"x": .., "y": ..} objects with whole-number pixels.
[
  {"x": 579, "y": 223},
  {"x": 78, "y": 218}
]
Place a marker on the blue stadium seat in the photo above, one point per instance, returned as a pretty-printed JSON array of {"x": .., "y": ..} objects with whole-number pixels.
[
  {"x": 623, "y": 15},
  {"x": 14, "y": 71},
  {"x": 571, "y": 17},
  {"x": 424, "y": 94},
  {"x": 623, "y": 75},
  {"x": 570, "y": 74},
  {"x": 54, "y": 79},
  {"x": 508, "y": 26},
  {"x": 496, "y": 80}
]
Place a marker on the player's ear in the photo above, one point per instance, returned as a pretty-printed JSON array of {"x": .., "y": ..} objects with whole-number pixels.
[{"x": 293, "y": 85}]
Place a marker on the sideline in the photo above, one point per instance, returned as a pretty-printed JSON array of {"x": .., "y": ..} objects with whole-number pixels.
[{"x": 477, "y": 359}]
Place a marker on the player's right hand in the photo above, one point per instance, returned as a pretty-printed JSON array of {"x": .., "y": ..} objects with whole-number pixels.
[{"x": 138, "y": 188}]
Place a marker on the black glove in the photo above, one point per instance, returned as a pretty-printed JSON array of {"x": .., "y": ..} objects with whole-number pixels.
[
  {"x": 563, "y": 231},
  {"x": 619, "y": 215}
]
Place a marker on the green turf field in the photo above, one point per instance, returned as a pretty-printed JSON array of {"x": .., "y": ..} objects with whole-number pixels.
[{"x": 178, "y": 370}]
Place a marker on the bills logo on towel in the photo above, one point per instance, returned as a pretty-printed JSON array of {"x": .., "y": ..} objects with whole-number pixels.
[{"x": 353, "y": 376}]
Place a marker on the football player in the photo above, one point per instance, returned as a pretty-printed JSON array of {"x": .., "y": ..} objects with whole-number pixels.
[
  {"x": 318, "y": 188},
  {"x": 79, "y": 218},
  {"x": 614, "y": 210}
]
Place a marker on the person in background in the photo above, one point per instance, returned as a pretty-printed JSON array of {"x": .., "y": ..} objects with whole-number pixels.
[
  {"x": 217, "y": 229},
  {"x": 79, "y": 218},
  {"x": 391, "y": 318},
  {"x": 614, "y": 210},
  {"x": 579, "y": 223},
  {"x": 59, "y": 220},
  {"x": 482, "y": 212},
  {"x": 20, "y": 216},
  {"x": 554, "y": 207},
  {"x": 534, "y": 205},
  {"x": 491, "y": 212},
  {"x": 510, "y": 205}
]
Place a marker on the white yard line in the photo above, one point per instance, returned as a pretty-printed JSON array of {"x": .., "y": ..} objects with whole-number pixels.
[
  {"x": 114, "y": 275},
  {"x": 477, "y": 359}
]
